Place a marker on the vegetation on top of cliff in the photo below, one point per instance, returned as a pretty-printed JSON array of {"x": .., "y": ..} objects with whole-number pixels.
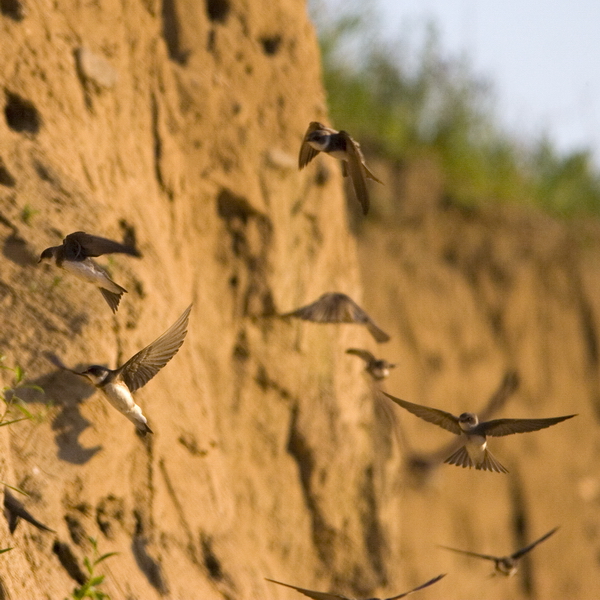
[{"x": 402, "y": 102}]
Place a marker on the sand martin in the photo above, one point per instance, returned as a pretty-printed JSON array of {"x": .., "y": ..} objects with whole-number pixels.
[
  {"x": 74, "y": 256},
  {"x": 473, "y": 453},
  {"x": 119, "y": 385},
  {"x": 14, "y": 510},
  {"x": 338, "y": 308},
  {"x": 506, "y": 565},
  {"x": 326, "y": 596},
  {"x": 378, "y": 368},
  {"x": 340, "y": 145}
]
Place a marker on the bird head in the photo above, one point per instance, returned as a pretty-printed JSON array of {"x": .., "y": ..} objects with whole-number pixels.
[
  {"x": 467, "y": 420},
  {"x": 318, "y": 139},
  {"x": 47, "y": 254},
  {"x": 507, "y": 566},
  {"x": 96, "y": 374}
]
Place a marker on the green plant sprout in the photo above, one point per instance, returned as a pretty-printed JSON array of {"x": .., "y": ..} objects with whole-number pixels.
[
  {"x": 12, "y": 402},
  {"x": 5, "y": 550},
  {"x": 90, "y": 588},
  {"x": 27, "y": 213}
]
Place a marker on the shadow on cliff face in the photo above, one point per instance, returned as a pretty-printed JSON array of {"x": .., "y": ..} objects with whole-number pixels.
[{"x": 66, "y": 391}]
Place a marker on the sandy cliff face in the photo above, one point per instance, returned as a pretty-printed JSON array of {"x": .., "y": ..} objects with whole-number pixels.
[{"x": 179, "y": 124}]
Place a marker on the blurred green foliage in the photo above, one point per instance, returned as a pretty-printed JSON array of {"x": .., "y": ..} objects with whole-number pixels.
[{"x": 401, "y": 102}]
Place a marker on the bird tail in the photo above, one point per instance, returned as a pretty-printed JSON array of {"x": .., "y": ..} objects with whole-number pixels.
[
  {"x": 460, "y": 458},
  {"x": 112, "y": 298},
  {"x": 370, "y": 175},
  {"x": 491, "y": 464},
  {"x": 379, "y": 335}
]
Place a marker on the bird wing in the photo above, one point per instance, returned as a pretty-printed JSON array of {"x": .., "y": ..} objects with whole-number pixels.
[
  {"x": 328, "y": 308},
  {"x": 438, "y": 417},
  {"x": 334, "y": 307},
  {"x": 356, "y": 170},
  {"x": 144, "y": 365},
  {"x": 307, "y": 152},
  {"x": 500, "y": 427},
  {"x": 519, "y": 553},
  {"x": 311, "y": 593},
  {"x": 81, "y": 245},
  {"x": 420, "y": 587},
  {"x": 364, "y": 354},
  {"x": 475, "y": 554}
]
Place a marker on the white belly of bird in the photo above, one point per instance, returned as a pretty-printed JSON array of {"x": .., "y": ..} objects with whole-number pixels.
[
  {"x": 475, "y": 446},
  {"x": 91, "y": 273},
  {"x": 120, "y": 397}
]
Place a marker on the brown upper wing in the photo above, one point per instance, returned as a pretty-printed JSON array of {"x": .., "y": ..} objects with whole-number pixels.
[
  {"x": 311, "y": 593},
  {"x": 475, "y": 554},
  {"x": 500, "y": 427},
  {"x": 81, "y": 245},
  {"x": 519, "y": 553},
  {"x": 423, "y": 585},
  {"x": 307, "y": 152},
  {"x": 432, "y": 415},
  {"x": 144, "y": 365},
  {"x": 334, "y": 307},
  {"x": 364, "y": 354},
  {"x": 357, "y": 172}
]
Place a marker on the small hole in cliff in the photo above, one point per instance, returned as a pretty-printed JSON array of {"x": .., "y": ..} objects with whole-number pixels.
[
  {"x": 5, "y": 177},
  {"x": 211, "y": 562},
  {"x": 12, "y": 9},
  {"x": 271, "y": 44},
  {"x": 21, "y": 115},
  {"x": 171, "y": 33},
  {"x": 218, "y": 10}
]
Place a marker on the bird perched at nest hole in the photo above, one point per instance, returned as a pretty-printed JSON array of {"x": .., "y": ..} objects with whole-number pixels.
[
  {"x": 334, "y": 307},
  {"x": 339, "y": 144},
  {"x": 474, "y": 452},
  {"x": 74, "y": 255}
]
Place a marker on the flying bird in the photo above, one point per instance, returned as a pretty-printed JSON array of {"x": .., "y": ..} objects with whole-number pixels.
[
  {"x": 474, "y": 453},
  {"x": 326, "y": 596},
  {"x": 422, "y": 465},
  {"x": 119, "y": 385},
  {"x": 340, "y": 145},
  {"x": 506, "y": 565},
  {"x": 14, "y": 510},
  {"x": 378, "y": 368},
  {"x": 74, "y": 255},
  {"x": 338, "y": 308}
]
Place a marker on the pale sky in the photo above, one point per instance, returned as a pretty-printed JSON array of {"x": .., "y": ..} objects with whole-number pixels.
[{"x": 541, "y": 56}]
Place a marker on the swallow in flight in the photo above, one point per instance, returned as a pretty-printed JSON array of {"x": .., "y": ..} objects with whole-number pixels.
[
  {"x": 338, "y": 308},
  {"x": 506, "y": 565},
  {"x": 340, "y": 145},
  {"x": 74, "y": 255},
  {"x": 474, "y": 453},
  {"x": 378, "y": 368},
  {"x": 119, "y": 385},
  {"x": 326, "y": 596}
]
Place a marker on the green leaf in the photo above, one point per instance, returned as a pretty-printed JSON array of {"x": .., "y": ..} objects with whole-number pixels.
[
  {"x": 2, "y": 424},
  {"x": 96, "y": 580},
  {"x": 5, "y": 550},
  {"x": 104, "y": 557},
  {"x": 16, "y": 489},
  {"x": 88, "y": 565}
]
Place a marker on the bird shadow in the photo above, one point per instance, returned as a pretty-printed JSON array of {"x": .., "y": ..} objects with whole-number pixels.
[{"x": 66, "y": 391}]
